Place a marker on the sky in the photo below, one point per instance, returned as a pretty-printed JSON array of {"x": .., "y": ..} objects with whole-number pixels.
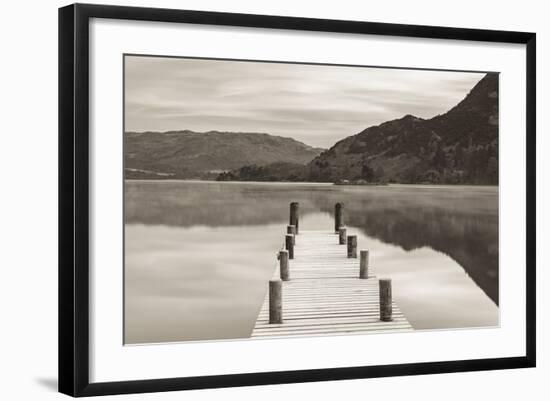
[{"x": 314, "y": 104}]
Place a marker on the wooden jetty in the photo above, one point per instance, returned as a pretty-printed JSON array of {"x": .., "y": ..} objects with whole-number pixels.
[{"x": 321, "y": 287}]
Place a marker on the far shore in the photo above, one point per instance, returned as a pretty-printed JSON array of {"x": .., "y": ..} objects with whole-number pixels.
[{"x": 426, "y": 186}]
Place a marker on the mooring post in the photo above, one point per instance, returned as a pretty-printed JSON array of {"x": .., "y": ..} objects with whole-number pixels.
[
  {"x": 294, "y": 218},
  {"x": 338, "y": 216},
  {"x": 342, "y": 236},
  {"x": 275, "y": 301},
  {"x": 352, "y": 246},
  {"x": 384, "y": 286},
  {"x": 292, "y": 230},
  {"x": 364, "y": 264},
  {"x": 289, "y": 245},
  {"x": 283, "y": 265}
]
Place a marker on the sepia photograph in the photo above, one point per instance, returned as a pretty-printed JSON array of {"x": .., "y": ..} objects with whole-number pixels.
[{"x": 271, "y": 199}]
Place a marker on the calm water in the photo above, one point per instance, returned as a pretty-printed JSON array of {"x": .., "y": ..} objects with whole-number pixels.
[{"x": 199, "y": 254}]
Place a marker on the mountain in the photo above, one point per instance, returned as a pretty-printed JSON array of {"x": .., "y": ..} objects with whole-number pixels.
[
  {"x": 460, "y": 146},
  {"x": 188, "y": 154}
]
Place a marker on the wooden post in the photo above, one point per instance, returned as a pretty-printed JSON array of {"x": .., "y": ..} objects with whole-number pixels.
[
  {"x": 294, "y": 217},
  {"x": 292, "y": 230},
  {"x": 352, "y": 246},
  {"x": 338, "y": 216},
  {"x": 283, "y": 265},
  {"x": 289, "y": 245},
  {"x": 275, "y": 301},
  {"x": 364, "y": 264},
  {"x": 385, "y": 300},
  {"x": 342, "y": 236}
]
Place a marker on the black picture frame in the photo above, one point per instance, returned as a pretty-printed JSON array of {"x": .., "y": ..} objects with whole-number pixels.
[{"x": 74, "y": 204}]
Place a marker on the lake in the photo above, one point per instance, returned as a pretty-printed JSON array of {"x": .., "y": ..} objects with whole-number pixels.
[{"x": 198, "y": 254}]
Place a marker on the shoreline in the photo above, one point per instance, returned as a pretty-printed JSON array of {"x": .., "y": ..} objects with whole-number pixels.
[{"x": 310, "y": 183}]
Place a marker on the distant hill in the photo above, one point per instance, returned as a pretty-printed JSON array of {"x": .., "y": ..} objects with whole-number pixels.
[
  {"x": 460, "y": 146},
  {"x": 188, "y": 154},
  {"x": 279, "y": 171}
]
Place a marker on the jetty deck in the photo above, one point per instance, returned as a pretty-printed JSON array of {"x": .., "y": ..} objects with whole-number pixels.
[{"x": 324, "y": 294}]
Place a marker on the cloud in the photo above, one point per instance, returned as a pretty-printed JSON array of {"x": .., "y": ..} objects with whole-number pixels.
[{"x": 317, "y": 105}]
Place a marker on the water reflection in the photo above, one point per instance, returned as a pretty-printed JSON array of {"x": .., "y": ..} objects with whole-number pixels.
[
  {"x": 461, "y": 222},
  {"x": 177, "y": 288}
]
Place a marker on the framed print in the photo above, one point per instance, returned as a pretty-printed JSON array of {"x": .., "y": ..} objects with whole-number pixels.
[{"x": 251, "y": 199}]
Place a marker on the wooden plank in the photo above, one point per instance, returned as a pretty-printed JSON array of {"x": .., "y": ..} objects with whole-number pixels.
[
  {"x": 337, "y": 330},
  {"x": 327, "y": 327},
  {"x": 352, "y": 319},
  {"x": 341, "y": 309},
  {"x": 325, "y": 295}
]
